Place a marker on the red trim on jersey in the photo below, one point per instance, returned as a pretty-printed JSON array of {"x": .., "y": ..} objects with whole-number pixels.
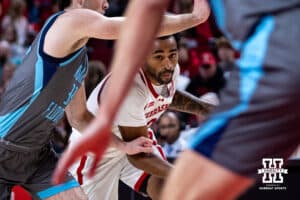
[
  {"x": 150, "y": 132},
  {"x": 142, "y": 77},
  {"x": 79, "y": 169},
  {"x": 149, "y": 84},
  {"x": 102, "y": 87},
  {"x": 172, "y": 89},
  {"x": 161, "y": 152},
  {"x": 140, "y": 181}
]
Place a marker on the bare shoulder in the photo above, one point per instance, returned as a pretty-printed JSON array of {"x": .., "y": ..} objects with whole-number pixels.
[
  {"x": 70, "y": 31},
  {"x": 80, "y": 16},
  {"x": 81, "y": 20}
]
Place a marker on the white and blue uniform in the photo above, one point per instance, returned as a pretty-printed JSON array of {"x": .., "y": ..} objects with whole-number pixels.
[
  {"x": 259, "y": 113},
  {"x": 33, "y": 103}
]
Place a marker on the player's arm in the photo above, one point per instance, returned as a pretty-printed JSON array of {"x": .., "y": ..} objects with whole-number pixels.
[
  {"x": 79, "y": 117},
  {"x": 77, "y": 113},
  {"x": 147, "y": 162},
  {"x": 103, "y": 27},
  {"x": 188, "y": 103}
]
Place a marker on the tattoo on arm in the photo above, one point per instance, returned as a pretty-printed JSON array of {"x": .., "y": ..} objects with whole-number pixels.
[{"x": 186, "y": 102}]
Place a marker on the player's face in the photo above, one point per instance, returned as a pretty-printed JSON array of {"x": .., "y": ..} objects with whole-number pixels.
[
  {"x": 98, "y": 5},
  {"x": 162, "y": 61}
]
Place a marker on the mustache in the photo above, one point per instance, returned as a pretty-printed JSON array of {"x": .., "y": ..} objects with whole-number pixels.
[{"x": 167, "y": 71}]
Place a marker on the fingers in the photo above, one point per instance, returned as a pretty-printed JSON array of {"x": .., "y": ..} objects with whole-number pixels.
[
  {"x": 145, "y": 145},
  {"x": 95, "y": 162},
  {"x": 148, "y": 149},
  {"x": 67, "y": 159},
  {"x": 145, "y": 141}
]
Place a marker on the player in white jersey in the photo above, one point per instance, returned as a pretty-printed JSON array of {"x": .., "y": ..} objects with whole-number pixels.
[{"x": 153, "y": 92}]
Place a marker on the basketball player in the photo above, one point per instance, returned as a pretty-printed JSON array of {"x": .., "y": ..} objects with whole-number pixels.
[
  {"x": 51, "y": 73},
  {"x": 152, "y": 93}
]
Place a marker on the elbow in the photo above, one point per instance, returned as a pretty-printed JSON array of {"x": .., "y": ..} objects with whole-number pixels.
[
  {"x": 76, "y": 119},
  {"x": 74, "y": 122},
  {"x": 204, "y": 13}
]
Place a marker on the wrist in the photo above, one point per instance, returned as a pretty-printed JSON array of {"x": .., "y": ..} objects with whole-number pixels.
[{"x": 123, "y": 146}]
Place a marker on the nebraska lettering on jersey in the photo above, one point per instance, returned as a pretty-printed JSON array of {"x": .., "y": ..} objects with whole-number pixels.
[{"x": 157, "y": 110}]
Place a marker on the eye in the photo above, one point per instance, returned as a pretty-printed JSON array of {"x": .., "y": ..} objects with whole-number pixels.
[
  {"x": 158, "y": 57},
  {"x": 173, "y": 56}
]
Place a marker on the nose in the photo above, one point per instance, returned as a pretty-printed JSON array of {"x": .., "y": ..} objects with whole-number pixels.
[{"x": 169, "y": 64}]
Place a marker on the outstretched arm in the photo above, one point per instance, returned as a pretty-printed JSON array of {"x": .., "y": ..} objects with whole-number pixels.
[
  {"x": 188, "y": 103},
  {"x": 103, "y": 27}
]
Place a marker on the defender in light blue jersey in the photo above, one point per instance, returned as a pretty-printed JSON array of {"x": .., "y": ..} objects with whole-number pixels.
[
  {"x": 50, "y": 75},
  {"x": 259, "y": 112}
]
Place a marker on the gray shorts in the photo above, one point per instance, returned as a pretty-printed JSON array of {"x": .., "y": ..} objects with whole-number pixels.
[
  {"x": 259, "y": 114},
  {"x": 30, "y": 169}
]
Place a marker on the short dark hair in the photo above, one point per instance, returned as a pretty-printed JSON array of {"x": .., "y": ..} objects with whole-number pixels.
[
  {"x": 175, "y": 36},
  {"x": 62, "y": 4}
]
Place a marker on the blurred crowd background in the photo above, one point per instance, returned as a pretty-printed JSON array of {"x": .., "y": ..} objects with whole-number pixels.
[{"x": 206, "y": 59}]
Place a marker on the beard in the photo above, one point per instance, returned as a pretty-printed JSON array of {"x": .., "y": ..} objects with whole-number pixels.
[{"x": 163, "y": 80}]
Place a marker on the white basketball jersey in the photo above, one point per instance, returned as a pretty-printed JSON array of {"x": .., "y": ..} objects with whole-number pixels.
[{"x": 143, "y": 105}]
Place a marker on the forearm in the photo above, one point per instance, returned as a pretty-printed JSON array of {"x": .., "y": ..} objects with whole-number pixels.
[
  {"x": 151, "y": 164},
  {"x": 185, "y": 102},
  {"x": 176, "y": 23},
  {"x": 84, "y": 121},
  {"x": 118, "y": 143}
]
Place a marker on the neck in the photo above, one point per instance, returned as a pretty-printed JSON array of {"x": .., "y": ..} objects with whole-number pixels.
[{"x": 73, "y": 5}]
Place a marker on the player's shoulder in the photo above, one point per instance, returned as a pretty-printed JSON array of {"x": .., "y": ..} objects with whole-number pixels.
[
  {"x": 80, "y": 12},
  {"x": 79, "y": 16}
]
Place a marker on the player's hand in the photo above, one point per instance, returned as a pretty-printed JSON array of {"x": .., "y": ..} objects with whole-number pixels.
[
  {"x": 138, "y": 145},
  {"x": 94, "y": 141},
  {"x": 201, "y": 10}
]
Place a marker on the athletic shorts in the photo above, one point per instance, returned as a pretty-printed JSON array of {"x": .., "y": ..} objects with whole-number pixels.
[
  {"x": 113, "y": 167},
  {"x": 30, "y": 169},
  {"x": 259, "y": 112}
]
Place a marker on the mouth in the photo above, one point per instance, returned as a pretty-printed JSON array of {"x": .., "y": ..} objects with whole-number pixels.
[{"x": 167, "y": 75}]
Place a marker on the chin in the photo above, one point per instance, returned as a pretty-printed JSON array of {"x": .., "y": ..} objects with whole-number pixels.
[{"x": 167, "y": 81}]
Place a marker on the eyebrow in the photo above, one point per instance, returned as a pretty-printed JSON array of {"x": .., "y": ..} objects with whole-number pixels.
[{"x": 161, "y": 51}]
